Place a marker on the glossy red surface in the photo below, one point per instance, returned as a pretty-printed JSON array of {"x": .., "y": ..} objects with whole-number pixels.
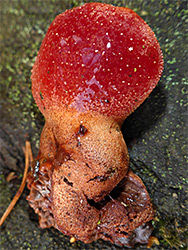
[{"x": 97, "y": 57}]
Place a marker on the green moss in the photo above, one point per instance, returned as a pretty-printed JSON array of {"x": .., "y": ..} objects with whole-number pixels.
[{"x": 172, "y": 235}]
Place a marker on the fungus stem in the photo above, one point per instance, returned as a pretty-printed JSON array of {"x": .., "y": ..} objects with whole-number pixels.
[{"x": 28, "y": 158}]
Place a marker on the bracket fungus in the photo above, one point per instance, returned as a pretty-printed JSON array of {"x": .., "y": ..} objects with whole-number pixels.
[{"x": 96, "y": 65}]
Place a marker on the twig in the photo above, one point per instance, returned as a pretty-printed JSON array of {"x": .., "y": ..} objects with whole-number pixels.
[
  {"x": 152, "y": 240},
  {"x": 30, "y": 153},
  {"x": 111, "y": 198},
  {"x": 72, "y": 240},
  {"x": 28, "y": 158}
]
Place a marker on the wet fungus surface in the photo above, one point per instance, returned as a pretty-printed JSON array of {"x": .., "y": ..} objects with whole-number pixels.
[{"x": 96, "y": 65}]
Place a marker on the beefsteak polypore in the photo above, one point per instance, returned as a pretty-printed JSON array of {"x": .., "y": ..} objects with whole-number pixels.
[{"x": 96, "y": 65}]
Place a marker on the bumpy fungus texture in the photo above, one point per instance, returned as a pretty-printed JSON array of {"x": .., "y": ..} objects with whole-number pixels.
[{"x": 96, "y": 65}]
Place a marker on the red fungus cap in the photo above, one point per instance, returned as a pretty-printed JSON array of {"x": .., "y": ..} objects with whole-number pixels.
[{"x": 99, "y": 58}]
